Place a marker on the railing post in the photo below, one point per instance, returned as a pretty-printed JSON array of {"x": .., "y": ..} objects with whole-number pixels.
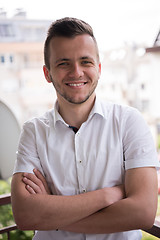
[
  {"x": 8, "y": 235},
  {"x": 4, "y": 200}
]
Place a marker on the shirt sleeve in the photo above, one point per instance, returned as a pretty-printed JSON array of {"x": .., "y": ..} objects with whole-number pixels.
[
  {"x": 27, "y": 155},
  {"x": 138, "y": 144}
]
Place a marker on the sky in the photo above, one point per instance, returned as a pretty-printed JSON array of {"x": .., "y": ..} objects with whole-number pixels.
[{"x": 115, "y": 22}]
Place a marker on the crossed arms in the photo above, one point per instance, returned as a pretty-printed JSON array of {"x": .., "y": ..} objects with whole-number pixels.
[{"x": 107, "y": 210}]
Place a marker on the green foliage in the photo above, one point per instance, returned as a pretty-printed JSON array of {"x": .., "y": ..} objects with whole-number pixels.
[
  {"x": 158, "y": 141},
  {"x": 4, "y": 186},
  {"x": 6, "y": 217},
  {"x": 147, "y": 236}
]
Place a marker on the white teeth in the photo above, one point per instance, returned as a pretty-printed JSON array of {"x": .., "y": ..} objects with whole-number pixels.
[{"x": 75, "y": 84}]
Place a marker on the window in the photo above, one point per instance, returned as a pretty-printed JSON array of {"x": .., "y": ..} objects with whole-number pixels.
[
  {"x": 6, "y": 30},
  {"x": 143, "y": 86},
  {"x": 2, "y": 59},
  {"x": 7, "y": 59},
  {"x": 11, "y": 59}
]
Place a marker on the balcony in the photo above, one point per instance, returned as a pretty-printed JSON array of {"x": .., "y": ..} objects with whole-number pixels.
[
  {"x": 12, "y": 232},
  {"x": 6, "y": 199}
]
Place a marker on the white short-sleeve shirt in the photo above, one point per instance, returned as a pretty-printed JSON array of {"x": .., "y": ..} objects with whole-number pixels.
[{"x": 113, "y": 139}]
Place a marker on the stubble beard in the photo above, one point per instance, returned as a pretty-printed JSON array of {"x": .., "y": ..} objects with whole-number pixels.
[{"x": 70, "y": 99}]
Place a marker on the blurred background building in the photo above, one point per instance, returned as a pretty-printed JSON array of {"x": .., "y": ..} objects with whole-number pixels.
[
  {"x": 130, "y": 73},
  {"x": 129, "y": 41},
  {"x": 22, "y": 85}
]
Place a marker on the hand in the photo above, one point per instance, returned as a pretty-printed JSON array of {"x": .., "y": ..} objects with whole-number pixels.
[
  {"x": 114, "y": 194},
  {"x": 36, "y": 183}
]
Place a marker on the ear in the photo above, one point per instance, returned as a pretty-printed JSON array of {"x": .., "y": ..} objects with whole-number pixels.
[
  {"x": 99, "y": 69},
  {"x": 47, "y": 74}
]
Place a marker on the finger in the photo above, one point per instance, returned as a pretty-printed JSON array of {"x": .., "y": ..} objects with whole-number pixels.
[
  {"x": 32, "y": 185},
  {"x": 43, "y": 180},
  {"x": 30, "y": 190},
  {"x": 33, "y": 178},
  {"x": 44, "y": 186},
  {"x": 39, "y": 175}
]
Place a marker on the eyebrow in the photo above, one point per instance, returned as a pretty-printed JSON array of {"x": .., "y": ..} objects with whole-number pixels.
[
  {"x": 67, "y": 59},
  {"x": 62, "y": 59},
  {"x": 86, "y": 57}
]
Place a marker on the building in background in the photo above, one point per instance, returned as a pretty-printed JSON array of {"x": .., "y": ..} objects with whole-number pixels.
[
  {"x": 22, "y": 85},
  {"x": 130, "y": 74}
]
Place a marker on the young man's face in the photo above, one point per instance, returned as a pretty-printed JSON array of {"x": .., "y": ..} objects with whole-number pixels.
[{"x": 74, "y": 68}]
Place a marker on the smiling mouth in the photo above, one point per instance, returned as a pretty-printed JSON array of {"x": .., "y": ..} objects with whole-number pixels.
[{"x": 75, "y": 84}]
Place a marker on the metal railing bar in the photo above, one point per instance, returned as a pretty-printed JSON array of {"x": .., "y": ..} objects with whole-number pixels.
[
  {"x": 5, "y": 199},
  {"x": 155, "y": 230},
  {"x": 8, "y": 229}
]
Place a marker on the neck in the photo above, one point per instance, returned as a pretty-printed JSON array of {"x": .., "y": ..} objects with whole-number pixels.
[{"x": 75, "y": 114}]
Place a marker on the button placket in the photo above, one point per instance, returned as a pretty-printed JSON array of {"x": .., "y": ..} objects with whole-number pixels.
[{"x": 79, "y": 163}]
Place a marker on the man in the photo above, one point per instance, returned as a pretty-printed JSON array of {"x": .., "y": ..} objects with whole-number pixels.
[{"x": 86, "y": 169}]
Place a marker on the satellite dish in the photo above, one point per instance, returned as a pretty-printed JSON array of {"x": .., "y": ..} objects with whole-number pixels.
[{"x": 9, "y": 136}]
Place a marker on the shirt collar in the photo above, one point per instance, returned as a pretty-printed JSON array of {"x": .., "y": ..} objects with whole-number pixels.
[
  {"x": 97, "y": 109},
  {"x": 56, "y": 116}
]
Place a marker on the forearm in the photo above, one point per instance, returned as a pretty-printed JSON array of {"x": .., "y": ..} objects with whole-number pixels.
[
  {"x": 136, "y": 211},
  {"x": 121, "y": 216},
  {"x": 57, "y": 211}
]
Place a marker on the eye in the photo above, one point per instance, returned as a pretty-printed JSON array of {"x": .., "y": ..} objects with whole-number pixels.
[
  {"x": 63, "y": 64},
  {"x": 87, "y": 62}
]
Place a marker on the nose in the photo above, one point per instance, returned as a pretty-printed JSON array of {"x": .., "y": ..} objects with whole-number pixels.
[{"x": 76, "y": 71}]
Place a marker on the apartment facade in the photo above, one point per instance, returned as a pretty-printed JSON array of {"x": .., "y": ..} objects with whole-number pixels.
[
  {"x": 130, "y": 74},
  {"x": 22, "y": 84}
]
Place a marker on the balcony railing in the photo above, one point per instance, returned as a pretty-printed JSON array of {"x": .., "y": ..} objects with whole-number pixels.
[{"x": 6, "y": 199}]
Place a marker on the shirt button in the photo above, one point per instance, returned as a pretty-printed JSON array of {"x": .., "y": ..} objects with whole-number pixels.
[
  {"x": 80, "y": 161},
  {"x": 84, "y": 190}
]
